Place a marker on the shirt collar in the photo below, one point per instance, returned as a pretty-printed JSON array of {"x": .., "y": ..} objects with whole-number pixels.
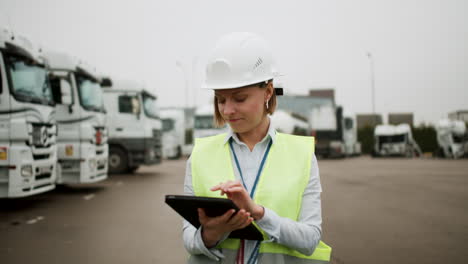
[{"x": 271, "y": 133}]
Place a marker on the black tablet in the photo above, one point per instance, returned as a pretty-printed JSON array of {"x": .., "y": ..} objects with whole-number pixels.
[{"x": 186, "y": 206}]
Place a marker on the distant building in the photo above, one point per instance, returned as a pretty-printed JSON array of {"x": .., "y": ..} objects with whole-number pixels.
[
  {"x": 368, "y": 120},
  {"x": 400, "y": 118},
  {"x": 323, "y": 93},
  {"x": 461, "y": 115}
]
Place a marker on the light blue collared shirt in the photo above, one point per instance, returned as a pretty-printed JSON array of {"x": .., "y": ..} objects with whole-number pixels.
[{"x": 302, "y": 235}]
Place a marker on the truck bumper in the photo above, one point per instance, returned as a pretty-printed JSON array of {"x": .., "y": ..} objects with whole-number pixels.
[
  {"x": 88, "y": 166},
  {"x": 42, "y": 167}
]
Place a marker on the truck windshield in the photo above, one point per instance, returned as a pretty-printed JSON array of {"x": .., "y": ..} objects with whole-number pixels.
[
  {"x": 167, "y": 124},
  {"x": 204, "y": 122},
  {"x": 458, "y": 138},
  {"x": 90, "y": 94},
  {"x": 150, "y": 107},
  {"x": 29, "y": 81},
  {"x": 393, "y": 139}
]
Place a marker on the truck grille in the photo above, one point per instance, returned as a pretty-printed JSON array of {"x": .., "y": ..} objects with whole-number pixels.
[
  {"x": 42, "y": 135},
  {"x": 157, "y": 136}
]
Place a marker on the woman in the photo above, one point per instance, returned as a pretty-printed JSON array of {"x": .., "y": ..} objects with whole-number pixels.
[{"x": 272, "y": 177}]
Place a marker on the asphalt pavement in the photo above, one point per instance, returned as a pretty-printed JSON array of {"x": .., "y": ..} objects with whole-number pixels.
[{"x": 374, "y": 211}]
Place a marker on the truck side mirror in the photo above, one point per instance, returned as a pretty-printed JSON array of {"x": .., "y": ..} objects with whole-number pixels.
[
  {"x": 66, "y": 92},
  {"x": 136, "y": 107}
]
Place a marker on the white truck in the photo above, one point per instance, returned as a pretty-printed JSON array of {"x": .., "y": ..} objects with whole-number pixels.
[
  {"x": 81, "y": 118},
  {"x": 335, "y": 135},
  {"x": 204, "y": 122},
  {"x": 451, "y": 138},
  {"x": 391, "y": 140},
  {"x": 27, "y": 120},
  {"x": 177, "y": 127},
  {"x": 135, "y": 128},
  {"x": 290, "y": 123}
]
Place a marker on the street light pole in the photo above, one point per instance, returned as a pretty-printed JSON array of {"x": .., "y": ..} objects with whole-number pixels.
[
  {"x": 193, "y": 81},
  {"x": 371, "y": 61},
  {"x": 186, "y": 80}
]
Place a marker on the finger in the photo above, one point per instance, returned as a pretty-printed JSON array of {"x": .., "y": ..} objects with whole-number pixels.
[
  {"x": 201, "y": 215},
  {"x": 216, "y": 187},
  {"x": 227, "y": 216},
  {"x": 235, "y": 189},
  {"x": 230, "y": 184},
  {"x": 238, "y": 219},
  {"x": 247, "y": 223}
]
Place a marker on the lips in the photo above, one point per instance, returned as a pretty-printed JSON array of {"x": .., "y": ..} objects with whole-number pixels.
[{"x": 233, "y": 120}]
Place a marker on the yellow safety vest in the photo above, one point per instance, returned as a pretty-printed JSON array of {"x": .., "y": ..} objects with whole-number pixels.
[{"x": 280, "y": 188}]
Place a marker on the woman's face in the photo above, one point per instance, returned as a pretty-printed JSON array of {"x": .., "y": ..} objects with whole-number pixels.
[{"x": 243, "y": 108}]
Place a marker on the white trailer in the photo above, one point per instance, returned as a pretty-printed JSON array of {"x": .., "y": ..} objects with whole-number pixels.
[
  {"x": 135, "y": 128},
  {"x": 390, "y": 140},
  {"x": 451, "y": 138},
  {"x": 204, "y": 122},
  {"x": 82, "y": 131},
  {"x": 352, "y": 147},
  {"x": 177, "y": 127},
  {"x": 27, "y": 120}
]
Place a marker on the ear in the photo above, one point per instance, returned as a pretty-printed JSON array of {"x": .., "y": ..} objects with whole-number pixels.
[{"x": 269, "y": 91}]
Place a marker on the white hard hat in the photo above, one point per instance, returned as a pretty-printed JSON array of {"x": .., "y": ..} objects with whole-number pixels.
[{"x": 239, "y": 59}]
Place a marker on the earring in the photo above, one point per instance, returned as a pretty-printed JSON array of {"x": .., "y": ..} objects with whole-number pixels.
[{"x": 267, "y": 104}]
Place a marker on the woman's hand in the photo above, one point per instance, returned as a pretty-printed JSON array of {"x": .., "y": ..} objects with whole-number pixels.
[
  {"x": 214, "y": 228},
  {"x": 236, "y": 192}
]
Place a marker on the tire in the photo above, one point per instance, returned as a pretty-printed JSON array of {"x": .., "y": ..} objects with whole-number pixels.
[
  {"x": 132, "y": 169},
  {"x": 118, "y": 160},
  {"x": 178, "y": 154},
  {"x": 409, "y": 154}
]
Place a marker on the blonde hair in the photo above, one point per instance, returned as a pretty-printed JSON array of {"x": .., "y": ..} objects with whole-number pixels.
[{"x": 219, "y": 120}]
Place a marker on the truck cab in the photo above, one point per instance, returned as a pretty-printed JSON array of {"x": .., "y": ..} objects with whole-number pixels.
[
  {"x": 177, "y": 127},
  {"x": 204, "y": 125},
  {"x": 81, "y": 118},
  {"x": 135, "y": 128},
  {"x": 27, "y": 120},
  {"x": 290, "y": 123},
  {"x": 451, "y": 138},
  {"x": 390, "y": 140}
]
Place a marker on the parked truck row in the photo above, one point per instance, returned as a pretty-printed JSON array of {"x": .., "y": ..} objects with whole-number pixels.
[{"x": 58, "y": 125}]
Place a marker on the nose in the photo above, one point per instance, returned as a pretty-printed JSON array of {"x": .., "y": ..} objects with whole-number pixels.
[{"x": 229, "y": 108}]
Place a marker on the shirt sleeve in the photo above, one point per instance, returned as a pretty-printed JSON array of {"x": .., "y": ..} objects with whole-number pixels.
[
  {"x": 303, "y": 235},
  {"x": 193, "y": 241}
]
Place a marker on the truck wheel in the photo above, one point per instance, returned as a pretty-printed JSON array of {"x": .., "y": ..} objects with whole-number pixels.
[
  {"x": 132, "y": 169},
  {"x": 179, "y": 153},
  {"x": 118, "y": 161},
  {"x": 409, "y": 153}
]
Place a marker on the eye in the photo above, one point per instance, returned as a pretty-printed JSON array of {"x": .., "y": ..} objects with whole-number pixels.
[
  {"x": 221, "y": 100},
  {"x": 240, "y": 99}
]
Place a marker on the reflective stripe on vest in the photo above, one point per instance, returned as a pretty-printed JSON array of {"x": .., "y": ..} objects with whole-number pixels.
[{"x": 289, "y": 159}]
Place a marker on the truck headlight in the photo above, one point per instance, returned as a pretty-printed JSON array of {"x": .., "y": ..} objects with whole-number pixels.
[
  {"x": 26, "y": 171},
  {"x": 92, "y": 163}
]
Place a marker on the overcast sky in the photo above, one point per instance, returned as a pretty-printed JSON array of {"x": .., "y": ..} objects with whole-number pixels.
[{"x": 420, "y": 47}]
